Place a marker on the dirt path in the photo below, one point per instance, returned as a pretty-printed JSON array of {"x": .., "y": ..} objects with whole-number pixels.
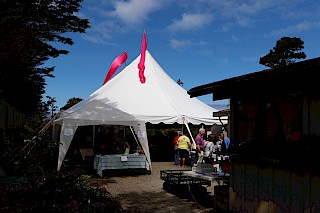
[{"x": 144, "y": 193}]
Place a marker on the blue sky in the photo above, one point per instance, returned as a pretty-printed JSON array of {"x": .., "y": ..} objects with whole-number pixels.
[{"x": 198, "y": 41}]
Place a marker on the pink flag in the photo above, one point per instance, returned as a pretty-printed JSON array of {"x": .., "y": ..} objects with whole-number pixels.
[
  {"x": 115, "y": 65},
  {"x": 142, "y": 59}
]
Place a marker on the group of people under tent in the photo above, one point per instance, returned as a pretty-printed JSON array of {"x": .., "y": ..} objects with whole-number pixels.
[
  {"x": 111, "y": 140},
  {"x": 211, "y": 148}
]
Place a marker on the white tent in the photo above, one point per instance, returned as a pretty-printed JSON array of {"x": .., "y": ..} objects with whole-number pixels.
[
  {"x": 96, "y": 112},
  {"x": 125, "y": 101}
]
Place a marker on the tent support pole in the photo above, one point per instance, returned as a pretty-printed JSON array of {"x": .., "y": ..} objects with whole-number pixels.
[
  {"x": 186, "y": 124},
  {"x": 93, "y": 134},
  {"x": 134, "y": 135}
]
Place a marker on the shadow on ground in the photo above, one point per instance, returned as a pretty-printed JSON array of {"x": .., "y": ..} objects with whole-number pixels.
[
  {"x": 175, "y": 201},
  {"x": 192, "y": 193}
]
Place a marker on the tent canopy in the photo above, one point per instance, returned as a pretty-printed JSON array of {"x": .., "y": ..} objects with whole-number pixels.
[
  {"x": 124, "y": 100},
  {"x": 158, "y": 100},
  {"x": 97, "y": 113}
]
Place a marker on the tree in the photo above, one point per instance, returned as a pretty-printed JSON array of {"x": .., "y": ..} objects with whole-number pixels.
[
  {"x": 28, "y": 30},
  {"x": 286, "y": 51},
  {"x": 51, "y": 106},
  {"x": 71, "y": 102}
]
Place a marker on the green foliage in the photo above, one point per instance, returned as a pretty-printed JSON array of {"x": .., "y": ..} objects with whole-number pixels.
[
  {"x": 50, "y": 105},
  {"x": 65, "y": 191},
  {"x": 71, "y": 102},
  {"x": 29, "y": 157},
  {"x": 286, "y": 51},
  {"x": 30, "y": 149},
  {"x": 27, "y": 31}
]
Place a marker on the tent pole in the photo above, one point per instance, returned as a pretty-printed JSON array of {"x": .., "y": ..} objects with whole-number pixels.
[
  {"x": 93, "y": 134},
  {"x": 186, "y": 124},
  {"x": 134, "y": 135},
  {"x": 53, "y": 131}
]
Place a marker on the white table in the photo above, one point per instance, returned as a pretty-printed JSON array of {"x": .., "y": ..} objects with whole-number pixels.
[
  {"x": 219, "y": 177},
  {"x": 105, "y": 162},
  {"x": 208, "y": 175},
  {"x": 216, "y": 178}
]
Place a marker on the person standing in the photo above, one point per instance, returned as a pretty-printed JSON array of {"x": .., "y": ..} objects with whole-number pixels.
[
  {"x": 200, "y": 143},
  {"x": 119, "y": 143},
  {"x": 208, "y": 151},
  {"x": 218, "y": 150},
  {"x": 225, "y": 161},
  {"x": 176, "y": 147},
  {"x": 199, "y": 139},
  {"x": 184, "y": 145},
  {"x": 193, "y": 154},
  {"x": 226, "y": 140}
]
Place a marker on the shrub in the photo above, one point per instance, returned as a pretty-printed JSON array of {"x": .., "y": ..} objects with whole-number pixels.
[{"x": 66, "y": 191}]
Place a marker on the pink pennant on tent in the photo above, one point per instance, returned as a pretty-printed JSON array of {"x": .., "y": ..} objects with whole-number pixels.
[
  {"x": 115, "y": 65},
  {"x": 142, "y": 59}
]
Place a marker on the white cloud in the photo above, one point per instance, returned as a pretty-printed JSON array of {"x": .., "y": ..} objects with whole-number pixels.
[
  {"x": 250, "y": 58},
  {"x": 103, "y": 32},
  {"x": 245, "y": 13},
  {"x": 96, "y": 38},
  {"x": 81, "y": 15},
  {"x": 191, "y": 22},
  {"x": 207, "y": 53},
  {"x": 184, "y": 43},
  {"x": 234, "y": 39},
  {"x": 135, "y": 11},
  {"x": 112, "y": 16},
  {"x": 180, "y": 44},
  {"x": 244, "y": 21},
  {"x": 299, "y": 27},
  {"x": 255, "y": 6},
  {"x": 226, "y": 27},
  {"x": 224, "y": 61},
  {"x": 121, "y": 16},
  {"x": 241, "y": 13}
]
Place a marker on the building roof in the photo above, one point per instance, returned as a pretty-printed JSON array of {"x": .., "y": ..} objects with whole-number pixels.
[{"x": 297, "y": 77}]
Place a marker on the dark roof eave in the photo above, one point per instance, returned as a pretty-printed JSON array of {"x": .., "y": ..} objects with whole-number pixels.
[{"x": 241, "y": 84}]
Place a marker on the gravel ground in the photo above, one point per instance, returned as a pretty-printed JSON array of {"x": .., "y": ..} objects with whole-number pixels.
[{"x": 143, "y": 193}]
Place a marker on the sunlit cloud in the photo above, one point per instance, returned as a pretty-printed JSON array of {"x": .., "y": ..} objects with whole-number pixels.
[
  {"x": 180, "y": 44},
  {"x": 240, "y": 13},
  {"x": 244, "y": 21},
  {"x": 103, "y": 32},
  {"x": 184, "y": 43},
  {"x": 81, "y": 15},
  {"x": 224, "y": 61},
  {"x": 234, "y": 39},
  {"x": 254, "y": 6},
  {"x": 118, "y": 17},
  {"x": 191, "y": 22},
  {"x": 134, "y": 11},
  {"x": 299, "y": 27},
  {"x": 250, "y": 58},
  {"x": 207, "y": 52}
]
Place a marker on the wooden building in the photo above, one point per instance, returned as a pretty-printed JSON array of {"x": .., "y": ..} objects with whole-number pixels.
[{"x": 275, "y": 136}]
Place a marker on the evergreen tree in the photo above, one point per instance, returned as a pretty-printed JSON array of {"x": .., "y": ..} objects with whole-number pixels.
[
  {"x": 71, "y": 102},
  {"x": 28, "y": 30},
  {"x": 286, "y": 51}
]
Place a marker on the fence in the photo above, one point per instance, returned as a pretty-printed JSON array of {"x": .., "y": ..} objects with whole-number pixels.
[{"x": 9, "y": 117}]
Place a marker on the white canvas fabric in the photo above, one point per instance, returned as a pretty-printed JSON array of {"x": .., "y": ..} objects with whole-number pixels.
[
  {"x": 160, "y": 99},
  {"x": 123, "y": 100},
  {"x": 97, "y": 113}
]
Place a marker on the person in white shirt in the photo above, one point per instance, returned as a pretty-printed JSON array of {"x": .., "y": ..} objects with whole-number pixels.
[{"x": 209, "y": 149}]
